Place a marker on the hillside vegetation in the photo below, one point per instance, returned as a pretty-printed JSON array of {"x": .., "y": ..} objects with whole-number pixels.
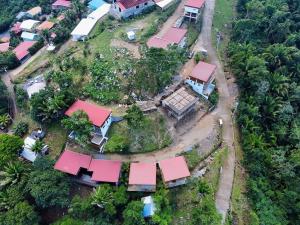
[{"x": 265, "y": 57}]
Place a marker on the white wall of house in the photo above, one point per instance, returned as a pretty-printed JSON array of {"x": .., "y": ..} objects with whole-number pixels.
[
  {"x": 106, "y": 126},
  {"x": 196, "y": 86},
  {"x": 116, "y": 11},
  {"x": 192, "y": 13}
]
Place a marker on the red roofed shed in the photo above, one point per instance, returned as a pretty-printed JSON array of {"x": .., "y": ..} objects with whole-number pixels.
[
  {"x": 203, "y": 71},
  {"x": 97, "y": 115},
  {"x": 142, "y": 176},
  {"x": 174, "y": 169},
  {"x": 4, "y": 47},
  {"x": 61, "y": 3},
  {"x": 195, "y": 3},
  {"x": 21, "y": 50},
  {"x": 71, "y": 162},
  {"x": 157, "y": 42},
  {"x": 105, "y": 170}
]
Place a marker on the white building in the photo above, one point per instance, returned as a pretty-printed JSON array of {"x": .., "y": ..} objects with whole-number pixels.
[
  {"x": 201, "y": 78},
  {"x": 27, "y": 36},
  {"x": 29, "y": 25},
  {"x": 122, "y": 9},
  {"x": 83, "y": 29},
  {"x": 27, "y": 152},
  {"x": 193, "y": 9},
  {"x": 164, "y": 4}
]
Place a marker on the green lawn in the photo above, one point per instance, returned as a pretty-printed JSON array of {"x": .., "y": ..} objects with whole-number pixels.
[
  {"x": 55, "y": 139},
  {"x": 223, "y": 16}
]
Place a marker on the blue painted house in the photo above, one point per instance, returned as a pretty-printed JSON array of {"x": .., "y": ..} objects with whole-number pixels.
[{"x": 95, "y": 4}]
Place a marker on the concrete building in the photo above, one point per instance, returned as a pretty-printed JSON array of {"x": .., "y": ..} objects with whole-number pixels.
[
  {"x": 180, "y": 103},
  {"x": 123, "y": 9},
  {"x": 29, "y": 25},
  {"x": 193, "y": 9},
  {"x": 28, "y": 36},
  {"x": 201, "y": 79}
]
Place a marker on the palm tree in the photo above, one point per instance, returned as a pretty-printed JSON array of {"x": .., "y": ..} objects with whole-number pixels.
[
  {"x": 102, "y": 196},
  {"x": 12, "y": 174},
  {"x": 4, "y": 121},
  {"x": 38, "y": 146}
]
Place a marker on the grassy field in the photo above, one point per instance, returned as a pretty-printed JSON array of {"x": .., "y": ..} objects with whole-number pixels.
[{"x": 223, "y": 17}]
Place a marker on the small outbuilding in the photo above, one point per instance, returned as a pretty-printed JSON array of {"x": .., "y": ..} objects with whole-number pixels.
[
  {"x": 142, "y": 177},
  {"x": 35, "y": 11},
  {"x": 180, "y": 103},
  {"x": 46, "y": 25},
  {"x": 35, "y": 85},
  {"x": 174, "y": 171},
  {"x": 61, "y": 4},
  {"x": 131, "y": 35},
  {"x": 149, "y": 206}
]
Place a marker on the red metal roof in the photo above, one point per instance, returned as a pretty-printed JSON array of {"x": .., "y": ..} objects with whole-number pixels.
[
  {"x": 175, "y": 35},
  {"x": 142, "y": 174},
  {"x": 97, "y": 115},
  {"x": 4, "y": 47},
  {"x": 195, "y": 3},
  {"x": 105, "y": 170},
  {"x": 22, "y": 49},
  {"x": 174, "y": 168},
  {"x": 126, "y": 4},
  {"x": 203, "y": 71},
  {"x": 172, "y": 36},
  {"x": 71, "y": 162},
  {"x": 63, "y": 3}
]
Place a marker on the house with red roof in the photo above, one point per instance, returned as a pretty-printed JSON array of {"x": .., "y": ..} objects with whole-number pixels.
[
  {"x": 142, "y": 177},
  {"x": 22, "y": 50},
  {"x": 99, "y": 116},
  {"x": 61, "y": 4},
  {"x": 193, "y": 9},
  {"x": 72, "y": 162},
  {"x": 201, "y": 78},
  {"x": 107, "y": 171},
  {"x": 174, "y": 36},
  {"x": 122, "y": 9},
  {"x": 174, "y": 171}
]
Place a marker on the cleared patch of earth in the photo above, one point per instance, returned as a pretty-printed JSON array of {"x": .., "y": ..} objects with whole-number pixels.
[{"x": 134, "y": 49}]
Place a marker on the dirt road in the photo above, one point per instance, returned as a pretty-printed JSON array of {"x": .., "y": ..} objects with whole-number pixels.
[{"x": 223, "y": 111}]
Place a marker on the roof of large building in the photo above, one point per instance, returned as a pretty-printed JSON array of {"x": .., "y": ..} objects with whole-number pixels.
[
  {"x": 71, "y": 162},
  {"x": 195, "y": 3},
  {"x": 142, "y": 173},
  {"x": 105, "y": 170},
  {"x": 97, "y": 114},
  {"x": 180, "y": 100},
  {"x": 22, "y": 49},
  {"x": 28, "y": 24},
  {"x": 172, "y": 36},
  {"x": 175, "y": 35},
  {"x": 174, "y": 168},
  {"x": 126, "y": 4},
  {"x": 63, "y": 3},
  {"x": 203, "y": 71},
  {"x": 4, "y": 47},
  {"x": 35, "y": 11},
  {"x": 46, "y": 25},
  {"x": 84, "y": 27}
]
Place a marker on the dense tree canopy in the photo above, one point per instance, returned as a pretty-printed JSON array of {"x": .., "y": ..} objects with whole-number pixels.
[
  {"x": 10, "y": 145},
  {"x": 265, "y": 57}
]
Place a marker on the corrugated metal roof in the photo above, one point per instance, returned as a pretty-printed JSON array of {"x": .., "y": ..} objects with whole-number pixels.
[
  {"x": 142, "y": 174},
  {"x": 174, "y": 168}
]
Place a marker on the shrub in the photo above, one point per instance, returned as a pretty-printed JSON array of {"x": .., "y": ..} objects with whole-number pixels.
[
  {"x": 118, "y": 143},
  {"x": 21, "y": 129},
  {"x": 21, "y": 97},
  {"x": 37, "y": 46}
]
